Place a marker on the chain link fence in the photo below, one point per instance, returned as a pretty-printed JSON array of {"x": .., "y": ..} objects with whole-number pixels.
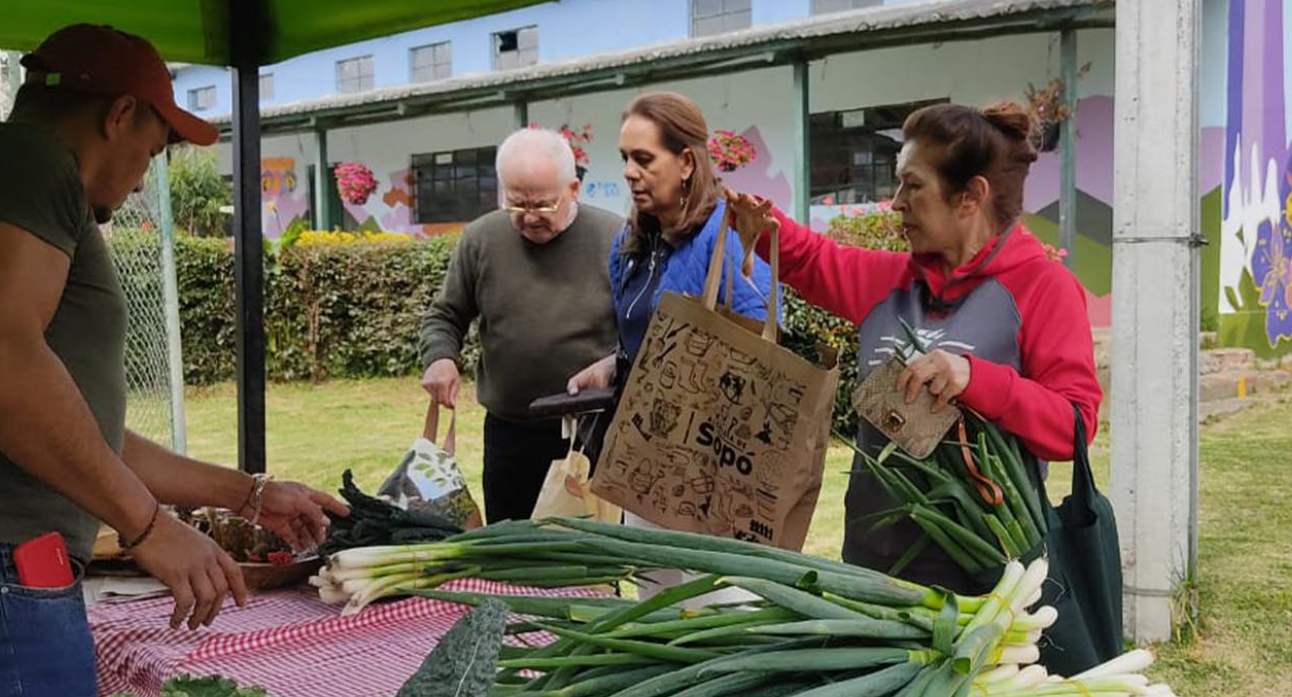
[{"x": 147, "y": 270}]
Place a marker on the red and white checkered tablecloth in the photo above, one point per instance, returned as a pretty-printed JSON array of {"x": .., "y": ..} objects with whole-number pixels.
[{"x": 289, "y": 642}]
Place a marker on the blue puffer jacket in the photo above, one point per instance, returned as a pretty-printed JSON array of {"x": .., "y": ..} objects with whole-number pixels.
[{"x": 681, "y": 270}]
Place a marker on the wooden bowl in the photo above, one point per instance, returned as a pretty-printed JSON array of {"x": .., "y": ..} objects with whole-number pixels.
[{"x": 264, "y": 577}]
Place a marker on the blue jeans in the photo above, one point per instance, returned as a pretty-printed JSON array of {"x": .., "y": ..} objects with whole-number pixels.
[{"x": 45, "y": 645}]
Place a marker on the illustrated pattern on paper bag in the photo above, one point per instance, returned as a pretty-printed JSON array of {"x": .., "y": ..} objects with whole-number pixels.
[{"x": 707, "y": 433}]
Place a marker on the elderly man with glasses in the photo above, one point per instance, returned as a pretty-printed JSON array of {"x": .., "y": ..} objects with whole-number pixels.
[{"x": 535, "y": 273}]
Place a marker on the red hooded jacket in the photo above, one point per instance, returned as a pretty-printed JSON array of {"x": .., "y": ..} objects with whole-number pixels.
[{"x": 1018, "y": 317}]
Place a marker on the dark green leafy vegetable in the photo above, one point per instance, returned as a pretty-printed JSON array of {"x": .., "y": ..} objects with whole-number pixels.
[
  {"x": 373, "y": 522},
  {"x": 465, "y": 662}
]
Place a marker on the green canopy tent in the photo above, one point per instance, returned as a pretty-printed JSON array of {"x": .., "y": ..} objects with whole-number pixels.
[{"x": 242, "y": 34}]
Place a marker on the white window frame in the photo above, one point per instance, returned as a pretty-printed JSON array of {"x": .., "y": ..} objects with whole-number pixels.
[
  {"x": 520, "y": 57},
  {"x": 365, "y": 81},
  {"x": 440, "y": 67}
]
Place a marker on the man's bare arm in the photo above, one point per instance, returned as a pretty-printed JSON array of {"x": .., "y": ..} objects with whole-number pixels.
[
  {"x": 183, "y": 481},
  {"x": 47, "y": 429}
]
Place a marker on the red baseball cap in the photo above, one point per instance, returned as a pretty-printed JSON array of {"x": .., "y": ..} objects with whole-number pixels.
[{"x": 103, "y": 61}]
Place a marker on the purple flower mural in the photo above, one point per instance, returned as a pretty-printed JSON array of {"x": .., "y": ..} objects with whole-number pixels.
[
  {"x": 1272, "y": 272},
  {"x": 1255, "y": 301},
  {"x": 1272, "y": 266}
]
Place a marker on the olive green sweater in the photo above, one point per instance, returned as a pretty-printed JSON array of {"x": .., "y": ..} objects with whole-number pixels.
[{"x": 545, "y": 310}]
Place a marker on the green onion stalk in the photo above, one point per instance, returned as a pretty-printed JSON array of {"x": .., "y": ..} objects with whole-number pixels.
[
  {"x": 357, "y": 577},
  {"x": 1120, "y": 677},
  {"x": 939, "y": 496}
]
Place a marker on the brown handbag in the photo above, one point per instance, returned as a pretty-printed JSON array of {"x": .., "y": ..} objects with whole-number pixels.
[{"x": 914, "y": 427}]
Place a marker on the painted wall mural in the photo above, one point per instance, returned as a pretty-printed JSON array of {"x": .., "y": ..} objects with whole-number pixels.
[
  {"x": 398, "y": 200},
  {"x": 284, "y": 195},
  {"x": 1251, "y": 275},
  {"x": 286, "y": 189},
  {"x": 390, "y": 209},
  {"x": 1092, "y": 254},
  {"x": 760, "y": 174}
]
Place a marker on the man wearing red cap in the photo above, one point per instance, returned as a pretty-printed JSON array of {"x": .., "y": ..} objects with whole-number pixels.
[{"x": 96, "y": 107}]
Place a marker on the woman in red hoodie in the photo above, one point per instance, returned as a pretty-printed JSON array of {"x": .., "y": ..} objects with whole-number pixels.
[{"x": 1005, "y": 328}]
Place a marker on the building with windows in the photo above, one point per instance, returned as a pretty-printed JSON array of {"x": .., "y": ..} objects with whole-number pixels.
[{"x": 819, "y": 88}]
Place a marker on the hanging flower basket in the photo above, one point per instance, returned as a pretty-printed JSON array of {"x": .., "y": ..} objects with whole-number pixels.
[
  {"x": 355, "y": 182},
  {"x": 730, "y": 151},
  {"x": 1049, "y": 109}
]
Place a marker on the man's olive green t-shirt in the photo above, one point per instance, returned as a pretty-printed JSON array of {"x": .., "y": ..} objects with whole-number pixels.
[{"x": 41, "y": 193}]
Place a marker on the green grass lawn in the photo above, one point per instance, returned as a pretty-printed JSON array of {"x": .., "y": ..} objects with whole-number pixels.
[{"x": 1245, "y": 645}]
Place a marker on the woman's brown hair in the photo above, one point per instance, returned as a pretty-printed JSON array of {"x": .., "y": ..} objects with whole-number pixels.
[
  {"x": 681, "y": 126},
  {"x": 994, "y": 143}
]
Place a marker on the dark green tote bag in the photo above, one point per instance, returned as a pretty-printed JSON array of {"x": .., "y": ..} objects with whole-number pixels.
[{"x": 1085, "y": 581}]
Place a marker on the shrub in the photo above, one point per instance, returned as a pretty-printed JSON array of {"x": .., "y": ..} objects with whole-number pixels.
[
  {"x": 197, "y": 192},
  {"x": 331, "y": 310},
  {"x": 877, "y": 228}
]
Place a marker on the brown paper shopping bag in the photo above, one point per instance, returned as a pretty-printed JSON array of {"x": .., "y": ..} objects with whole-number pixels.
[{"x": 720, "y": 430}]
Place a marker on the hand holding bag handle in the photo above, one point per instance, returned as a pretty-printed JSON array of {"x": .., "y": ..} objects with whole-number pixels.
[
  {"x": 717, "y": 264},
  {"x": 432, "y": 428}
]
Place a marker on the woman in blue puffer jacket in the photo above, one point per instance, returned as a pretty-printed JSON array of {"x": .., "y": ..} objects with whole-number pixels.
[
  {"x": 675, "y": 221},
  {"x": 677, "y": 215}
]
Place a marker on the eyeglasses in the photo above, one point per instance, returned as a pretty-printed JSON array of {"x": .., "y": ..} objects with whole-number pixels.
[{"x": 536, "y": 210}]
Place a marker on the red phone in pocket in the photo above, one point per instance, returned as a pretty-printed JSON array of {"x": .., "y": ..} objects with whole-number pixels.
[{"x": 43, "y": 562}]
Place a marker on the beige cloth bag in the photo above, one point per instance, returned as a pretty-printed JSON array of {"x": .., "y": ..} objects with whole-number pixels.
[{"x": 567, "y": 490}]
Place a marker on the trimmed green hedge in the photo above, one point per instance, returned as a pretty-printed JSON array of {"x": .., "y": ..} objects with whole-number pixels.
[
  {"x": 204, "y": 276},
  {"x": 353, "y": 311},
  {"x": 349, "y": 310}
]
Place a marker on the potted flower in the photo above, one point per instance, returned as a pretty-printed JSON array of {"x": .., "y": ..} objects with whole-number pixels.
[
  {"x": 355, "y": 182},
  {"x": 730, "y": 151}
]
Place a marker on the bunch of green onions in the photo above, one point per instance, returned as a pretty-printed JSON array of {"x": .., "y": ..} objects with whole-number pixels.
[
  {"x": 519, "y": 553},
  {"x": 819, "y": 628},
  {"x": 937, "y": 493}
]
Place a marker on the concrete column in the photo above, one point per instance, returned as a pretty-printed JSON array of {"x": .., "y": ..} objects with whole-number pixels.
[{"x": 1155, "y": 306}]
